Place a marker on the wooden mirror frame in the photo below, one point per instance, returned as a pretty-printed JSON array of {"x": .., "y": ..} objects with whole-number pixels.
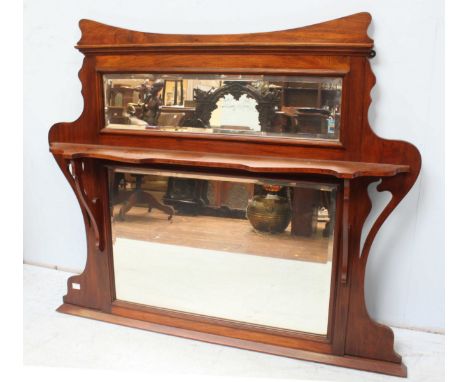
[{"x": 84, "y": 148}]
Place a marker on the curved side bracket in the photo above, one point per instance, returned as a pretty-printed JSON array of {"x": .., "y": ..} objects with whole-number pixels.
[
  {"x": 81, "y": 290},
  {"x": 76, "y": 173},
  {"x": 366, "y": 337},
  {"x": 385, "y": 185}
]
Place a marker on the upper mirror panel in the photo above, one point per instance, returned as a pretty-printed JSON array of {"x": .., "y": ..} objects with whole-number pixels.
[{"x": 249, "y": 105}]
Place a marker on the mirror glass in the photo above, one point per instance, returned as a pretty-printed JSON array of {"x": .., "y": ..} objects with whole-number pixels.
[
  {"x": 257, "y": 251},
  {"x": 307, "y": 107}
]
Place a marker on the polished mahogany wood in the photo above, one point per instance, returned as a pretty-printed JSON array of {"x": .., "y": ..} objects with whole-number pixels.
[
  {"x": 251, "y": 163},
  {"x": 347, "y": 34},
  {"x": 330, "y": 359},
  {"x": 84, "y": 148}
]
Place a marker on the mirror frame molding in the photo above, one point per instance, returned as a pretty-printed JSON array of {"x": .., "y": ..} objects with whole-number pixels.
[{"x": 83, "y": 149}]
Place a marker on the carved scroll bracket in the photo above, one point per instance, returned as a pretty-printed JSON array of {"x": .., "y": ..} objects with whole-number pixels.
[
  {"x": 92, "y": 207},
  {"x": 385, "y": 185}
]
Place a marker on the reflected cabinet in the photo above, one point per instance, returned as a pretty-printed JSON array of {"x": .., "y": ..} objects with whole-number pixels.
[{"x": 223, "y": 183}]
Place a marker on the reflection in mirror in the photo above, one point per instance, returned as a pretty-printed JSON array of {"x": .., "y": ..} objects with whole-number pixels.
[
  {"x": 255, "y": 105},
  {"x": 250, "y": 250},
  {"x": 240, "y": 113}
]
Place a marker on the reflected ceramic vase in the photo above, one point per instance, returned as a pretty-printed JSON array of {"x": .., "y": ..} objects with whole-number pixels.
[{"x": 269, "y": 213}]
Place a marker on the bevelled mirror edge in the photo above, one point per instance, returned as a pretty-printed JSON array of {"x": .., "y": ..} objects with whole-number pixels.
[
  {"x": 218, "y": 205},
  {"x": 290, "y": 108}
]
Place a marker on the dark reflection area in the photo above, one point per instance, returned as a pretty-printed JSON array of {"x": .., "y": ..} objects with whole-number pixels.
[
  {"x": 256, "y": 105},
  {"x": 269, "y": 206}
]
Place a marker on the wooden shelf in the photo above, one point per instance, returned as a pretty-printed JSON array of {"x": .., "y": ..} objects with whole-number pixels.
[{"x": 338, "y": 169}]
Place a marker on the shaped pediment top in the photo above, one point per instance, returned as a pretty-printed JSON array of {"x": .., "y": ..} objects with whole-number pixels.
[{"x": 343, "y": 34}]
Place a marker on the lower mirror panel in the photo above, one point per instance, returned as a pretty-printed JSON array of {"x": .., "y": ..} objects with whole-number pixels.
[{"x": 257, "y": 251}]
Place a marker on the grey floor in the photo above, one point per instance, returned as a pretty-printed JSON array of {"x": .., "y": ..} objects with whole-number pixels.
[{"x": 58, "y": 340}]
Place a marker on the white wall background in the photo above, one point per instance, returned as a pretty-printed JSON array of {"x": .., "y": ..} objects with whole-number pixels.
[{"x": 405, "y": 275}]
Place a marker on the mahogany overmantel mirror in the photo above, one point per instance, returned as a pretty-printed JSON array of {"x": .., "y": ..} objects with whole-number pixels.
[{"x": 223, "y": 183}]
